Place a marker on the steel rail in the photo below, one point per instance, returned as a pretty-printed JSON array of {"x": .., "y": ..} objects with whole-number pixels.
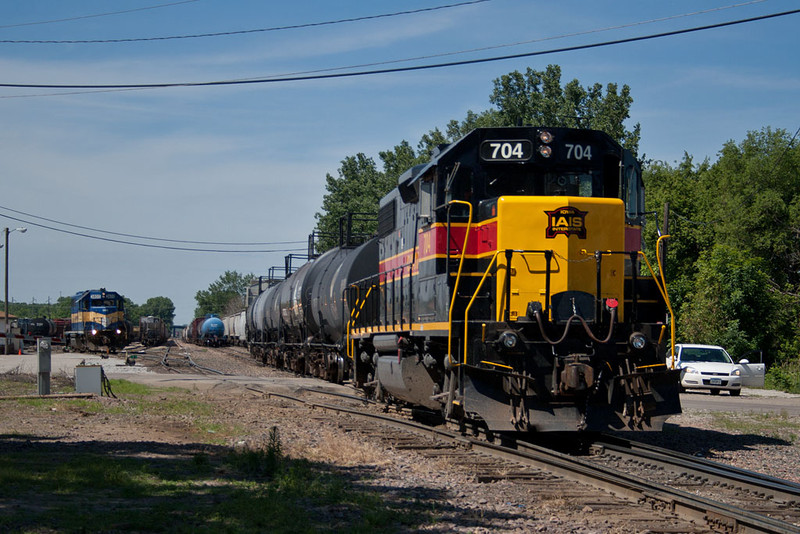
[
  {"x": 718, "y": 516},
  {"x": 728, "y": 518},
  {"x": 779, "y": 490}
]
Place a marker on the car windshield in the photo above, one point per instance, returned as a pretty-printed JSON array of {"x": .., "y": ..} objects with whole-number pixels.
[{"x": 705, "y": 354}]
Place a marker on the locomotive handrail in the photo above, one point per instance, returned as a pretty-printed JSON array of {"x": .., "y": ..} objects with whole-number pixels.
[
  {"x": 458, "y": 275},
  {"x": 354, "y": 313},
  {"x": 349, "y": 288},
  {"x": 474, "y": 296},
  {"x": 662, "y": 287}
]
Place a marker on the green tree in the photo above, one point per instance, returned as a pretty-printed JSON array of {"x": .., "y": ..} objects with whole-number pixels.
[
  {"x": 358, "y": 189},
  {"x": 733, "y": 262},
  {"x": 159, "y": 307},
  {"x": 223, "y": 296},
  {"x": 731, "y": 298},
  {"x": 58, "y": 310},
  {"x": 61, "y": 309},
  {"x": 537, "y": 97},
  {"x": 753, "y": 194},
  {"x": 690, "y": 233},
  {"x": 132, "y": 311}
]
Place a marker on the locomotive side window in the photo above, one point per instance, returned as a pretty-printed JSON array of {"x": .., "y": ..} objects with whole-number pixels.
[
  {"x": 634, "y": 194},
  {"x": 386, "y": 218},
  {"x": 425, "y": 200}
]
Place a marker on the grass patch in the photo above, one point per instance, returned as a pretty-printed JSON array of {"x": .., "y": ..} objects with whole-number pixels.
[
  {"x": 778, "y": 426},
  {"x": 12, "y": 384},
  {"x": 52, "y": 485},
  {"x": 55, "y": 487}
]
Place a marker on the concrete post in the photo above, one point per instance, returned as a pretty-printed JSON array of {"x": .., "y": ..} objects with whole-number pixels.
[{"x": 43, "y": 350}]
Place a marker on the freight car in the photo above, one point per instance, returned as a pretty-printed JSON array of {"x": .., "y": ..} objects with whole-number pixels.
[
  {"x": 32, "y": 329},
  {"x": 212, "y": 331},
  {"x": 152, "y": 331},
  {"x": 207, "y": 330},
  {"x": 506, "y": 287},
  {"x": 97, "y": 322},
  {"x": 191, "y": 333},
  {"x": 235, "y": 331}
]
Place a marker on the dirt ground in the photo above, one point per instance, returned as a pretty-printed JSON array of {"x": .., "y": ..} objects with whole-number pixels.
[{"x": 240, "y": 417}]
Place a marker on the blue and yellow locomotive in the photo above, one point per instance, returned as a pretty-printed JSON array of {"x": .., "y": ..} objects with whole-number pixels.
[{"x": 98, "y": 322}]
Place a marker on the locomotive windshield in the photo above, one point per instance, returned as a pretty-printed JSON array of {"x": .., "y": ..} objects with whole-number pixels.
[
  {"x": 585, "y": 183},
  {"x": 105, "y": 303}
]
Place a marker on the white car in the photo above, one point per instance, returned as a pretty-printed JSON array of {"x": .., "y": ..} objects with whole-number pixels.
[{"x": 711, "y": 367}]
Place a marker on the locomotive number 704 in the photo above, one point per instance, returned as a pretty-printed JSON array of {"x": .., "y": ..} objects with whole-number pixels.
[
  {"x": 579, "y": 152},
  {"x": 506, "y": 150}
]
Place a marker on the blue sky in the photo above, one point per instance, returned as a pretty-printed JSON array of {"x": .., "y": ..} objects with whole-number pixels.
[{"x": 247, "y": 163}]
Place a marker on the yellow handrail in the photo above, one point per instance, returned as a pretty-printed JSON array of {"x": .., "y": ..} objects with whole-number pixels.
[
  {"x": 474, "y": 296},
  {"x": 458, "y": 278},
  {"x": 662, "y": 288},
  {"x": 354, "y": 313}
]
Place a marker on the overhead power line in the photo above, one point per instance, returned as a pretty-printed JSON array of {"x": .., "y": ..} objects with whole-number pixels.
[
  {"x": 507, "y": 45},
  {"x": 241, "y": 32},
  {"x": 403, "y": 69},
  {"x": 226, "y": 243},
  {"x": 147, "y": 245},
  {"x": 81, "y": 17}
]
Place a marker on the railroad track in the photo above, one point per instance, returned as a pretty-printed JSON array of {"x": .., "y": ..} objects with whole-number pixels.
[
  {"x": 176, "y": 363},
  {"x": 639, "y": 504},
  {"x": 748, "y": 490}
]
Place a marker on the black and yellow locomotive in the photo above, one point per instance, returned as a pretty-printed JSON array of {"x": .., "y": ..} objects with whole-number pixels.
[{"x": 505, "y": 287}]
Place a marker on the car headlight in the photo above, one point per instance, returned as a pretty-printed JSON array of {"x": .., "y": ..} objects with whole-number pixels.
[
  {"x": 690, "y": 370},
  {"x": 736, "y": 372}
]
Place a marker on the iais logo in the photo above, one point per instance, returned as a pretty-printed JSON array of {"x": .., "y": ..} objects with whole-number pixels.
[{"x": 568, "y": 221}]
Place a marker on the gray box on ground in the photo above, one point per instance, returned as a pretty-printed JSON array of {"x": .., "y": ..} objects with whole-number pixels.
[{"x": 88, "y": 379}]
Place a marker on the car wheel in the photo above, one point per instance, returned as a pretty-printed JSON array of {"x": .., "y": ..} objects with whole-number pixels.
[
  {"x": 736, "y": 392},
  {"x": 715, "y": 392}
]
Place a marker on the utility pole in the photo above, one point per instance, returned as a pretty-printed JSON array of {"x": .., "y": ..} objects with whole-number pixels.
[{"x": 7, "y": 331}]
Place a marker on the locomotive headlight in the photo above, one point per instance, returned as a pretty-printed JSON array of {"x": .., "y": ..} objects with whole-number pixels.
[
  {"x": 545, "y": 151},
  {"x": 545, "y": 137},
  {"x": 94, "y": 332},
  {"x": 119, "y": 331},
  {"x": 509, "y": 340},
  {"x": 638, "y": 340}
]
